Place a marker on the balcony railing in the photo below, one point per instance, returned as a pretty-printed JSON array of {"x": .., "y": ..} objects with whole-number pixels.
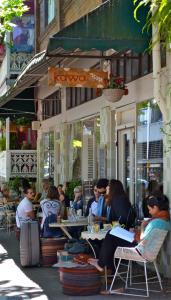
[
  {"x": 20, "y": 163},
  {"x": 18, "y": 61}
]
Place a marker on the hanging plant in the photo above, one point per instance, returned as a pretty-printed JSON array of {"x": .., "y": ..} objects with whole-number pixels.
[{"x": 115, "y": 89}]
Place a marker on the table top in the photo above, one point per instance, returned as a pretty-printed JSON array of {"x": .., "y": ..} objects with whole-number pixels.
[
  {"x": 93, "y": 235},
  {"x": 67, "y": 223}
]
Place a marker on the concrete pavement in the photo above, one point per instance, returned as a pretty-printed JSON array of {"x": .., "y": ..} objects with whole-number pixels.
[{"x": 38, "y": 283}]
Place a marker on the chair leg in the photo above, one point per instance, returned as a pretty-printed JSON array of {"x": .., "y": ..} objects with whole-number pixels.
[
  {"x": 127, "y": 275},
  {"x": 146, "y": 278},
  {"x": 130, "y": 280},
  {"x": 158, "y": 275},
  {"x": 116, "y": 272}
]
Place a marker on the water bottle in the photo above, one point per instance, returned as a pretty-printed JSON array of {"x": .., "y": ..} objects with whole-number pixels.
[
  {"x": 90, "y": 218},
  {"x": 90, "y": 221}
]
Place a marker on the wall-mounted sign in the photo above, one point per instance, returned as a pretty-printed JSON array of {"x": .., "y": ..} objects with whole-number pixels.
[{"x": 67, "y": 77}]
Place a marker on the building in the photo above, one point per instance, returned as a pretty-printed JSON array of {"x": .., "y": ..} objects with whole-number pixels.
[{"x": 82, "y": 135}]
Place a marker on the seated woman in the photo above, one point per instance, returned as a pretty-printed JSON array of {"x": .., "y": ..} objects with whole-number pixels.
[
  {"x": 159, "y": 210},
  {"x": 51, "y": 208},
  {"x": 78, "y": 198}
]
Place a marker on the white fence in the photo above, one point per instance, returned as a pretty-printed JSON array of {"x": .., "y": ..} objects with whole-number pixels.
[{"x": 21, "y": 163}]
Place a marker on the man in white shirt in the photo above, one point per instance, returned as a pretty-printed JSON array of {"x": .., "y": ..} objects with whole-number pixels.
[{"x": 25, "y": 208}]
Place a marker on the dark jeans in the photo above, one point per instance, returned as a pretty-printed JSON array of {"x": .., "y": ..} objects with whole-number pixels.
[{"x": 108, "y": 248}]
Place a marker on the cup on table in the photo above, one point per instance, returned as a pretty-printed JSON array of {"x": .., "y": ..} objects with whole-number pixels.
[
  {"x": 96, "y": 228},
  {"x": 115, "y": 223}
]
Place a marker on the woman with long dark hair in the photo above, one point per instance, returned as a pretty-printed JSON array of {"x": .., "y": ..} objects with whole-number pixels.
[{"x": 121, "y": 209}]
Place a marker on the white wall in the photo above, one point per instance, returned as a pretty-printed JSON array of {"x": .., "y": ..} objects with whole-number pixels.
[{"x": 139, "y": 90}]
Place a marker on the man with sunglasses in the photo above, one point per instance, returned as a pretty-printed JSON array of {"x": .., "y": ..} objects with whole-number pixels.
[
  {"x": 103, "y": 210},
  {"x": 93, "y": 203}
]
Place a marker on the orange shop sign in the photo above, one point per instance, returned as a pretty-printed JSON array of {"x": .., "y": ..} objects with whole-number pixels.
[{"x": 91, "y": 78}]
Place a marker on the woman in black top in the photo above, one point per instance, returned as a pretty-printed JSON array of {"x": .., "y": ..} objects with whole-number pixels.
[
  {"x": 121, "y": 209},
  {"x": 122, "y": 212}
]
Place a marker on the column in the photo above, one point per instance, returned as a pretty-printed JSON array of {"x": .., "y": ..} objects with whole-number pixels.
[
  {"x": 107, "y": 143},
  {"x": 166, "y": 253},
  {"x": 64, "y": 156}
]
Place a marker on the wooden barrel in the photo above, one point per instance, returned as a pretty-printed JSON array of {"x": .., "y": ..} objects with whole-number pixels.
[
  {"x": 49, "y": 248},
  {"x": 80, "y": 281}
]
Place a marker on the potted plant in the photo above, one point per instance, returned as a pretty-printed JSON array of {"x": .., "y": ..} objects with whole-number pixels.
[
  {"x": 23, "y": 123},
  {"x": 115, "y": 89}
]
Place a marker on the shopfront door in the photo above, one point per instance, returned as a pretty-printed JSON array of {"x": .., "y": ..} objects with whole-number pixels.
[{"x": 126, "y": 160}]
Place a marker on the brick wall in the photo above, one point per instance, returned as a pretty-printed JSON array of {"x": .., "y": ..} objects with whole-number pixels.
[{"x": 71, "y": 10}]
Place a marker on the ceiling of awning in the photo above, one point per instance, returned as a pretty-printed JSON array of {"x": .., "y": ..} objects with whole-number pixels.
[
  {"x": 109, "y": 26},
  {"x": 17, "y": 108},
  {"x": 37, "y": 67}
]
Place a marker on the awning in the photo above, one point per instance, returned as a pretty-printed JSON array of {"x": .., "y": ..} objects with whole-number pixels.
[
  {"x": 109, "y": 26},
  {"x": 37, "y": 67}
]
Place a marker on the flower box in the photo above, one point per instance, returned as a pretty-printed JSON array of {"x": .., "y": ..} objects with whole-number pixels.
[{"x": 113, "y": 95}]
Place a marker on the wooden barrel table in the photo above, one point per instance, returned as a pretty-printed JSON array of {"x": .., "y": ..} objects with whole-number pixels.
[
  {"x": 80, "y": 281},
  {"x": 49, "y": 248}
]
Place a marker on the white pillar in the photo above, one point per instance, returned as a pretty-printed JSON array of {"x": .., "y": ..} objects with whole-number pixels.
[
  {"x": 64, "y": 145},
  {"x": 107, "y": 140},
  {"x": 166, "y": 254}
]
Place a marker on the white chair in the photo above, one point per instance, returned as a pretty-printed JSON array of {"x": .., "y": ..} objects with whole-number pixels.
[
  {"x": 145, "y": 252},
  {"x": 10, "y": 217}
]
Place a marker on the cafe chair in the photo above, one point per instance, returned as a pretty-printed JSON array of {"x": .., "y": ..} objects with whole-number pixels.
[
  {"x": 145, "y": 252},
  {"x": 10, "y": 217},
  {"x": 2, "y": 215}
]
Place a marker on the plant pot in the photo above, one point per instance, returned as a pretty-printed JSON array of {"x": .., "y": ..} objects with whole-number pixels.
[{"x": 113, "y": 95}]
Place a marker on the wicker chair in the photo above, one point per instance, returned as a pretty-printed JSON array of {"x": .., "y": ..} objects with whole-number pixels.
[{"x": 145, "y": 252}]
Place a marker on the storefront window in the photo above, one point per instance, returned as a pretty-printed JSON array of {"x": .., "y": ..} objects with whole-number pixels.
[{"x": 149, "y": 147}]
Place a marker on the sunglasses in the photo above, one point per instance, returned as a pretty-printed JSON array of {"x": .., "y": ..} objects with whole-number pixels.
[{"x": 102, "y": 193}]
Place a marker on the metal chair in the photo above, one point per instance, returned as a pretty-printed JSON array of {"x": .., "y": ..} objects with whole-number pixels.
[
  {"x": 2, "y": 215},
  {"x": 145, "y": 252},
  {"x": 10, "y": 217}
]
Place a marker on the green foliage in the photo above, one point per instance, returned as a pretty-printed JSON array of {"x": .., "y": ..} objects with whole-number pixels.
[
  {"x": 10, "y": 9},
  {"x": 70, "y": 188},
  {"x": 13, "y": 141},
  {"x": 2, "y": 143},
  {"x": 14, "y": 184},
  {"x": 159, "y": 14},
  {"x": 2, "y": 122},
  {"x": 23, "y": 121}
]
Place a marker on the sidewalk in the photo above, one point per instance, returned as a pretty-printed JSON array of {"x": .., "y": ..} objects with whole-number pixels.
[{"x": 37, "y": 283}]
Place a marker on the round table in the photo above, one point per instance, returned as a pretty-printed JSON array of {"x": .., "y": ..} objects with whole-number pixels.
[{"x": 93, "y": 236}]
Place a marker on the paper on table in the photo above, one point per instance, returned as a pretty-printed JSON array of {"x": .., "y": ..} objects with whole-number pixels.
[{"x": 123, "y": 234}]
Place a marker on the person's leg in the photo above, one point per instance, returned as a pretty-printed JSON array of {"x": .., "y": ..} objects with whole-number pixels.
[{"x": 108, "y": 248}]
